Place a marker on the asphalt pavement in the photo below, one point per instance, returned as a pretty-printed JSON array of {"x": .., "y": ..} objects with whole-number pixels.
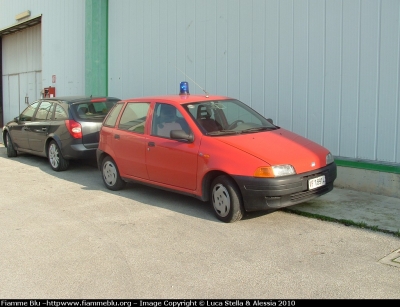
[
  {"x": 373, "y": 211},
  {"x": 64, "y": 235}
]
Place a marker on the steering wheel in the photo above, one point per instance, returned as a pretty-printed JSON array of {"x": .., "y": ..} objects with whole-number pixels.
[{"x": 234, "y": 124}]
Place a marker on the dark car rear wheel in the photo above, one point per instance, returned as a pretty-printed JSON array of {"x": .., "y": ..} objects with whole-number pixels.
[
  {"x": 226, "y": 199},
  {"x": 11, "y": 152},
  {"x": 56, "y": 160},
  {"x": 110, "y": 174}
]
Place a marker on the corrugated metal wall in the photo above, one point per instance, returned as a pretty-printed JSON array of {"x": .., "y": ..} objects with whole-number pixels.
[
  {"x": 63, "y": 40},
  {"x": 328, "y": 70}
]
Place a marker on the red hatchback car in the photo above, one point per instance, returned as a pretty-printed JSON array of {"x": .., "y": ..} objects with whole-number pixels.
[{"x": 214, "y": 148}]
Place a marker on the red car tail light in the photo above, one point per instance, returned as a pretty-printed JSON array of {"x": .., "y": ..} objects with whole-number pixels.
[
  {"x": 98, "y": 100},
  {"x": 74, "y": 128}
]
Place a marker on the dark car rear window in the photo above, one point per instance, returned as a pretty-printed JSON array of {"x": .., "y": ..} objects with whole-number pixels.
[{"x": 94, "y": 110}]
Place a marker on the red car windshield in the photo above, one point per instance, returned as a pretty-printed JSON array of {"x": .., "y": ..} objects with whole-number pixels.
[{"x": 227, "y": 117}]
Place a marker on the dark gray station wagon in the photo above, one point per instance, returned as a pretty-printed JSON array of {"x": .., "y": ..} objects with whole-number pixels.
[{"x": 59, "y": 128}]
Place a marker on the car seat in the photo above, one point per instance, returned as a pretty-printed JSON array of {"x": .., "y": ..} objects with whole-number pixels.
[
  {"x": 204, "y": 118},
  {"x": 167, "y": 121},
  {"x": 82, "y": 110}
]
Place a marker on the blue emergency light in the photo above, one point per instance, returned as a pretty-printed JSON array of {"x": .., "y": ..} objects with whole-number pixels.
[{"x": 184, "y": 88}]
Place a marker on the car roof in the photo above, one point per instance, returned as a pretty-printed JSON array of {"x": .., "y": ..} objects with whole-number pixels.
[
  {"x": 177, "y": 99},
  {"x": 73, "y": 99}
]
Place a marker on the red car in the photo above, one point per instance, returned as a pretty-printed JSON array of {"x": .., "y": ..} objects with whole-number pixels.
[{"x": 214, "y": 148}]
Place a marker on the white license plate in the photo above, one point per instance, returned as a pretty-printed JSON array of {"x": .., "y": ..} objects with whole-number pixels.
[{"x": 316, "y": 182}]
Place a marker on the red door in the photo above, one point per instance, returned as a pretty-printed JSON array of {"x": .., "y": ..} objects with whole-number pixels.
[{"x": 172, "y": 162}]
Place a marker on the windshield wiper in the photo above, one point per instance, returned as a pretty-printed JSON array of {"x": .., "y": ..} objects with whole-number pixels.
[
  {"x": 223, "y": 132},
  {"x": 258, "y": 129}
]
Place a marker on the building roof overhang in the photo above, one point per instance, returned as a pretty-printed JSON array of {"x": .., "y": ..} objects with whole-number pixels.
[{"x": 21, "y": 26}]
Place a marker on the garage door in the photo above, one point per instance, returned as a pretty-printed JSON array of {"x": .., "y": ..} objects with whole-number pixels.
[{"x": 22, "y": 68}]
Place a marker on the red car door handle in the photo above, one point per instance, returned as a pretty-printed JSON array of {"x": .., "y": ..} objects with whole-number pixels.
[
  {"x": 116, "y": 136},
  {"x": 151, "y": 144}
]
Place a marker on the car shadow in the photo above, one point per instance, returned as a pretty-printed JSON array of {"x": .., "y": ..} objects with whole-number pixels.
[{"x": 87, "y": 174}]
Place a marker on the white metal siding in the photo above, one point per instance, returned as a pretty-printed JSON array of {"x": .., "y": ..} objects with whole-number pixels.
[
  {"x": 63, "y": 49},
  {"x": 62, "y": 44},
  {"x": 328, "y": 70}
]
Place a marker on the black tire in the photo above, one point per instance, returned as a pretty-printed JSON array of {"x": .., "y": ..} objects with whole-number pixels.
[
  {"x": 110, "y": 174},
  {"x": 11, "y": 152},
  {"x": 56, "y": 160},
  {"x": 226, "y": 199}
]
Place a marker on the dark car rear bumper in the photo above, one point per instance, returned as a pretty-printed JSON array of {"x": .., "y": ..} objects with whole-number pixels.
[
  {"x": 273, "y": 193},
  {"x": 79, "y": 151}
]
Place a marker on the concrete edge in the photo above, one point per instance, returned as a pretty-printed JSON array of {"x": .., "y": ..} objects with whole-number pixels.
[{"x": 374, "y": 182}]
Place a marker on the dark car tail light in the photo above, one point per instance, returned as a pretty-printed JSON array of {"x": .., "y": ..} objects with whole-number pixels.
[{"x": 74, "y": 128}]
